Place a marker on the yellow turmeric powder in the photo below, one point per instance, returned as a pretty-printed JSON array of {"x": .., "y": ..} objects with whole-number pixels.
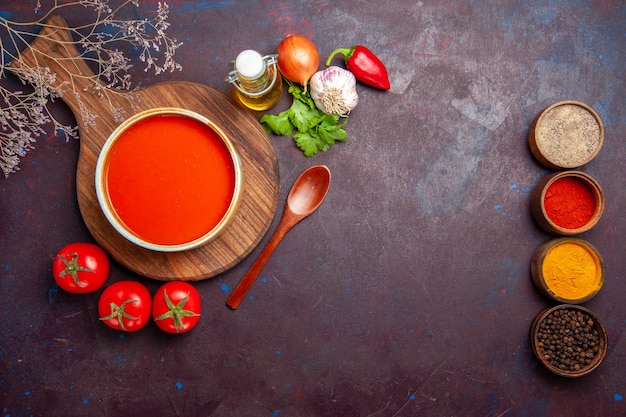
[{"x": 572, "y": 271}]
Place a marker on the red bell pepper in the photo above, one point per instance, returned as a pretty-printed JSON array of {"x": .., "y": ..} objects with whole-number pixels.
[{"x": 365, "y": 66}]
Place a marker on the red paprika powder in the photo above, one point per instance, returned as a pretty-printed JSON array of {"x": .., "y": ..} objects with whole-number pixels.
[{"x": 569, "y": 203}]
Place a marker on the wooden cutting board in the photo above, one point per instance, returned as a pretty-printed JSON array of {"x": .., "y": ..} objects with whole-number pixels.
[{"x": 53, "y": 49}]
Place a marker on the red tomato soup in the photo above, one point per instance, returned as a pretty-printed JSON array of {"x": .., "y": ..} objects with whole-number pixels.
[{"x": 170, "y": 179}]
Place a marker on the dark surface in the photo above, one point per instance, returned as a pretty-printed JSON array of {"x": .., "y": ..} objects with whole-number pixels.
[{"x": 408, "y": 293}]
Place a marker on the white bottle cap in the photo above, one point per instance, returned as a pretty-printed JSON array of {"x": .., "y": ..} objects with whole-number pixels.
[{"x": 249, "y": 64}]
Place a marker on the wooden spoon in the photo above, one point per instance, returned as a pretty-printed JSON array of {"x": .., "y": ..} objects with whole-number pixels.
[{"x": 305, "y": 197}]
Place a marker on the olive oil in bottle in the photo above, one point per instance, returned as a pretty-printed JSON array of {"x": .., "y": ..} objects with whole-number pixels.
[{"x": 256, "y": 80}]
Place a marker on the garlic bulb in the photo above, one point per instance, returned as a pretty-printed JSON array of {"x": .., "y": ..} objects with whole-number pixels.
[{"x": 334, "y": 90}]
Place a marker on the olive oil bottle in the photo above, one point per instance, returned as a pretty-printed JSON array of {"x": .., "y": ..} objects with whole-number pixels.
[{"x": 256, "y": 80}]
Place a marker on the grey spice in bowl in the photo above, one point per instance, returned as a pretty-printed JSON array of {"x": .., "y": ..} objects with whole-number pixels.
[{"x": 567, "y": 134}]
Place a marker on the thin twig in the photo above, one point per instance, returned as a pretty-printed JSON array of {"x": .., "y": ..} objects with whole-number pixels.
[{"x": 25, "y": 114}]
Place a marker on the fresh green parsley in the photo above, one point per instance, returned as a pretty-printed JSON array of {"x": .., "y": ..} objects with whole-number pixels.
[{"x": 315, "y": 130}]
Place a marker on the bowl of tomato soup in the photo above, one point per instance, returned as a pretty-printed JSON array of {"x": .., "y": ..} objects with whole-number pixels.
[{"x": 169, "y": 180}]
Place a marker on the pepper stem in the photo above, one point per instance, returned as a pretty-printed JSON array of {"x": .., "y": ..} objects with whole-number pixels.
[{"x": 346, "y": 52}]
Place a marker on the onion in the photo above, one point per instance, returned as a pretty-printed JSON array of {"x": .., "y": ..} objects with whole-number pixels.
[{"x": 298, "y": 59}]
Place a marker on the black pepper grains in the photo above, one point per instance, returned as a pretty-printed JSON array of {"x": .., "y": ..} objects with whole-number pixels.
[{"x": 569, "y": 340}]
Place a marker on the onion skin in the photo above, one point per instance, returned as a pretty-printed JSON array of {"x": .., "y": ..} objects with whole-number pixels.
[{"x": 298, "y": 59}]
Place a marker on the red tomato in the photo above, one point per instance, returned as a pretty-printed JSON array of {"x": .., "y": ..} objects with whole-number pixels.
[
  {"x": 80, "y": 268},
  {"x": 176, "y": 307},
  {"x": 125, "y": 305}
]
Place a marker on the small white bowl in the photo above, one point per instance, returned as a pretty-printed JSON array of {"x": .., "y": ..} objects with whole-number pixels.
[{"x": 160, "y": 184}]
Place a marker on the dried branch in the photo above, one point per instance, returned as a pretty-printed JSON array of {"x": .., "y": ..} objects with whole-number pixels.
[{"x": 23, "y": 114}]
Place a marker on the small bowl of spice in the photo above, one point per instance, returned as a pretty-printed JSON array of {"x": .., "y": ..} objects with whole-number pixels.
[
  {"x": 567, "y": 134},
  {"x": 569, "y": 340},
  {"x": 567, "y": 270},
  {"x": 567, "y": 202}
]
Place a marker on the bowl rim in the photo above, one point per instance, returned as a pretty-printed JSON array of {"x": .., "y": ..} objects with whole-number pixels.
[
  {"x": 115, "y": 221},
  {"x": 601, "y": 333}
]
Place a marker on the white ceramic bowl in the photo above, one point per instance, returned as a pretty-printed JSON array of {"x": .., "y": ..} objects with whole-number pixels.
[{"x": 169, "y": 179}]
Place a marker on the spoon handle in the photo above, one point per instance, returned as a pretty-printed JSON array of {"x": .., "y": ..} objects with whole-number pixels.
[{"x": 240, "y": 291}]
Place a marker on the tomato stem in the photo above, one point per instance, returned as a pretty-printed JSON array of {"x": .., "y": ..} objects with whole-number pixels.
[
  {"x": 73, "y": 268},
  {"x": 176, "y": 312},
  {"x": 118, "y": 313}
]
